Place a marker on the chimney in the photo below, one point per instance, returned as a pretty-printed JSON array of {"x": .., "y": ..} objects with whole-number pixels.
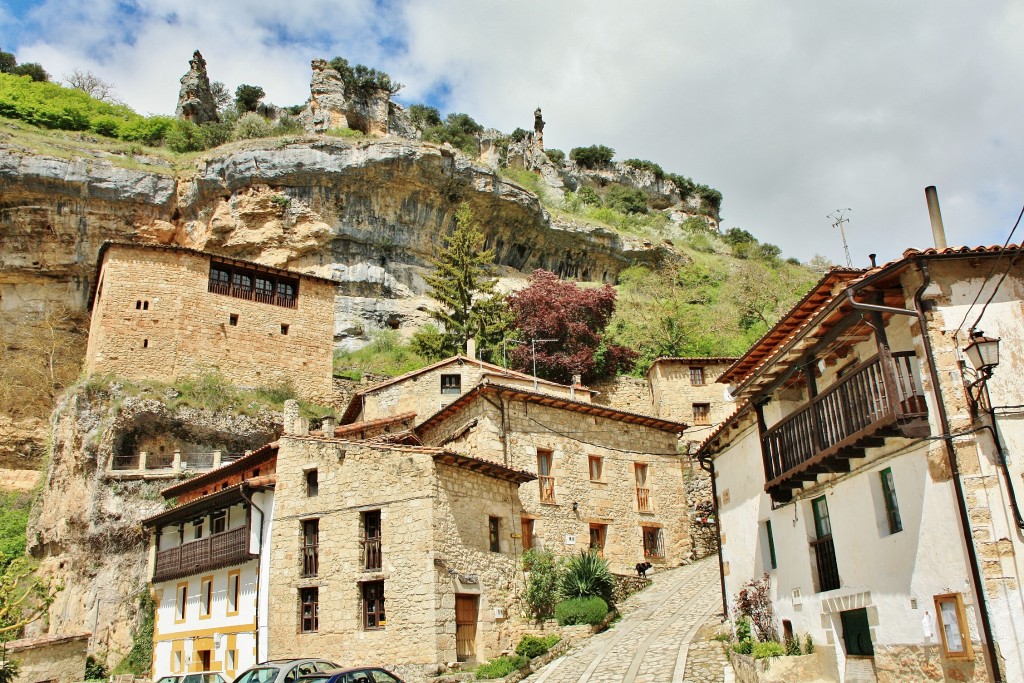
[
  {"x": 471, "y": 348},
  {"x": 291, "y": 414},
  {"x": 938, "y": 231},
  {"x": 327, "y": 425},
  {"x": 872, "y": 257}
]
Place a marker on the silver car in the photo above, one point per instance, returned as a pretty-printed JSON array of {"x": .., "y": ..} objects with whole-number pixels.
[{"x": 283, "y": 670}]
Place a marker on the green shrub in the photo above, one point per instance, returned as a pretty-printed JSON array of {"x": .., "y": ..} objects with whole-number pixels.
[
  {"x": 344, "y": 133},
  {"x": 94, "y": 669},
  {"x": 710, "y": 198},
  {"x": 14, "y": 509},
  {"x": 587, "y": 575},
  {"x": 276, "y": 394},
  {"x": 590, "y": 610},
  {"x": 424, "y": 117},
  {"x": 287, "y": 125},
  {"x": 106, "y": 124},
  {"x": 589, "y": 196},
  {"x": 216, "y": 133},
  {"x": 534, "y": 646},
  {"x": 643, "y": 164},
  {"x": 542, "y": 584},
  {"x": 682, "y": 183},
  {"x": 626, "y": 199},
  {"x": 808, "y": 645},
  {"x": 247, "y": 97},
  {"x": 767, "y": 650},
  {"x": 556, "y": 156},
  {"x": 251, "y": 125},
  {"x": 362, "y": 81},
  {"x": 744, "y": 647},
  {"x": 743, "y": 629},
  {"x": 500, "y": 667},
  {"x": 431, "y": 343},
  {"x": 185, "y": 136},
  {"x": 458, "y": 130},
  {"x": 49, "y": 105},
  {"x": 518, "y": 135},
  {"x": 793, "y": 647},
  {"x": 594, "y": 156},
  {"x": 149, "y": 130}
]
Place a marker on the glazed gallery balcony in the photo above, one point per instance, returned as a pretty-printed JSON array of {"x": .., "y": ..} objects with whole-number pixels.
[{"x": 877, "y": 399}]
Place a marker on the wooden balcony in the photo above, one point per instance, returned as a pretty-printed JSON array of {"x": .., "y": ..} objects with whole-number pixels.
[
  {"x": 372, "y": 560},
  {"x": 643, "y": 499},
  {"x": 212, "y": 552},
  {"x": 879, "y": 398},
  {"x": 825, "y": 560},
  {"x": 547, "y": 489}
]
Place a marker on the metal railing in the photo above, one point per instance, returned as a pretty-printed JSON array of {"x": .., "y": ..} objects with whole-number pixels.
[
  {"x": 217, "y": 550},
  {"x": 547, "y": 489},
  {"x": 825, "y": 559},
  {"x": 126, "y": 462},
  {"x": 878, "y": 392}
]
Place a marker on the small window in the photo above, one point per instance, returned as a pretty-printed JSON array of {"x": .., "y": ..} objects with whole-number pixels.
[
  {"x": 598, "y": 532},
  {"x": 145, "y": 343},
  {"x": 494, "y": 534},
  {"x": 206, "y": 597},
  {"x": 451, "y": 384},
  {"x": 284, "y": 329},
  {"x": 232, "y": 660},
  {"x": 256, "y": 473},
  {"x": 182, "y": 599},
  {"x": 701, "y": 413},
  {"x": 544, "y": 477},
  {"x": 892, "y": 508},
  {"x": 310, "y": 547},
  {"x": 233, "y": 319},
  {"x": 527, "y": 526},
  {"x": 770, "y": 541},
  {"x": 596, "y": 464},
  {"x": 654, "y": 544},
  {"x": 309, "y": 610},
  {"x": 697, "y": 376},
  {"x": 373, "y": 605},
  {"x": 234, "y": 588},
  {"x": 312, "y": 483},
  {"x": 145, "y": 305},
  {"x": 372, "y": 557},
  {"x": 197, "y": 527},
  {"x": 218, "y": 522},
  {"x": 956, "y": 636},
  {"x": 138, "y": 305}
]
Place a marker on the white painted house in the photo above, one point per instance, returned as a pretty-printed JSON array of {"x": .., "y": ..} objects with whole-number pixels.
[
  {"x": 862, "y": 475},
  {"x": 209, "y": 569}
]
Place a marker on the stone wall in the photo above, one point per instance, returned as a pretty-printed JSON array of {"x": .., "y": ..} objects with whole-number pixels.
[
  {"x": 673, "y": 395},
  {"x": 60, "y": 658},
  {"x": 625, "y": 393},
  {"x": 611, "y": 501},
  {"x": 154, "y": 319},
  {"x": 432, "y": 549},
  {"x": 703, "y": 533},
  {"x": 899, "y": 663}
]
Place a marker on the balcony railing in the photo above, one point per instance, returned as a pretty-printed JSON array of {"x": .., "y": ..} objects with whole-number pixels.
[
  {"x": 371, "y": 554},
  {"x": 878, "y": 398},
  {"x": 643, "y": 499},
  {"x": 310, "y": 560},
  {"x": 547, "y": 489},
  {"x": 825, "y": 558},
  {"x": 218, "y": 550}
]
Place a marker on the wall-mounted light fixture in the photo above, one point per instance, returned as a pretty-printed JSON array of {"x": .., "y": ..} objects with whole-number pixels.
[
  {"x": 575, "y": 506},
  {"x": 983, "y": 353}
]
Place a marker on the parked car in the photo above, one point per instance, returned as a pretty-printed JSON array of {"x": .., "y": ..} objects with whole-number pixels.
[
  {"x": 169, "y": 679},
  {"x": 200, "y": 677},
  {"x": 283, "y": 670},
  {"x": 369, "y": 674}
]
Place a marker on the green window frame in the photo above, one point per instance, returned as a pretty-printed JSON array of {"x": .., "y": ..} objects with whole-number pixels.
[
  {"x": 771, "y": 544},
  {"x": 822, "y": 523},
  {"x": 892, "y": 507}
]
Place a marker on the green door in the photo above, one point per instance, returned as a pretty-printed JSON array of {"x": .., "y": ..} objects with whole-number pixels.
[{"x": 857, "y": 633}]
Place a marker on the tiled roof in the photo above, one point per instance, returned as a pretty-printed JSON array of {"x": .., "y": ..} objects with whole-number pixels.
[
  {"x": 356, "y": 427},
  {"x": 44, "y": 641},
  {"x": 726, "y": 424},
  {"x": 215, "y": 499},
  {"x": 256, "y": 457}
]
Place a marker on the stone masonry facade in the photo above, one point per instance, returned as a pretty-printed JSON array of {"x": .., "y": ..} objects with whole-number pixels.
[
  {"x": 154, "y": 318},
  {"x": 679, "y": 387},
  {"x": 610, "y": 504},
  {"x": 435, "y": 520}
]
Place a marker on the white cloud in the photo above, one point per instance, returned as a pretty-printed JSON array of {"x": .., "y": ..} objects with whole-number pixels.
[{"x": 790, "y": 110}]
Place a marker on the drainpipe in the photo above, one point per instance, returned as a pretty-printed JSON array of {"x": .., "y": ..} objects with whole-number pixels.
[
  {"x": 995, "y": 674},
  {"x": 256, "y": 507},
  {"x": 993, "y": 428},
  {"x": 708, "y": 465}
]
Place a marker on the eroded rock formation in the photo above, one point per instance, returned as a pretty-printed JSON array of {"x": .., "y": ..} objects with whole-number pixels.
[
  {"x": 195, "y": 99},
  {"x": 330, "y": 106}
]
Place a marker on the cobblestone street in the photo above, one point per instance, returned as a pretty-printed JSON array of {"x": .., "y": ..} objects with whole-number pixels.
[{"x": 663, "y": 636}]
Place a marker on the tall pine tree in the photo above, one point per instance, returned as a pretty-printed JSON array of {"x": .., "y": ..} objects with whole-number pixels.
[{"x": 464, "y": 284}]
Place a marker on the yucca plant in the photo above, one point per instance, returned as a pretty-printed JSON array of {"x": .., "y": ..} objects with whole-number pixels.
[{"x": 586, "y": 575}]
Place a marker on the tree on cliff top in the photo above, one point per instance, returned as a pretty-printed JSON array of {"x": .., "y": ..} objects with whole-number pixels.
[
  {"x": 464, "y": 286},
  {"x": 550, "y": 308}
]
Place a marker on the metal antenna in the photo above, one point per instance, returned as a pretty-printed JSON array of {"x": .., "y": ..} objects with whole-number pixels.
[{"x": 838, "y": 220}]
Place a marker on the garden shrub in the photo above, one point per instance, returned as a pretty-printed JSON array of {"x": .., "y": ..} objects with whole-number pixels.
[
  {"x": 500, "y": 667},
  {"x": 534, "y": 646},
  {"x": 251, "y": 125},
  {"x": 586, "y": 575},
  {"x": 793, "y": 647},
  {"x": 808, "y": 645},
  {"x": 626, "y": 199},
  {"x": 542, "y": 584},
  {"x": 767, "y": 650},
  {"x": 594, "y": 156},
  {"x": 744, "y": 647},
  {"x": 590, "y": 610}
]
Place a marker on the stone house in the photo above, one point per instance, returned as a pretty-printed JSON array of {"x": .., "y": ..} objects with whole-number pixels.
[
  {"x": 883, "y": 509},
  {"x": 58, "y": 658},
  {"x": 607, "y": 479},
  {"x": 401, "y": 556},
  {"x": 429, "y": 389},
  {"x": 686, "y": 390},
  {"x": 163, "y": 312},
  {"x": 209, "y": 571}
]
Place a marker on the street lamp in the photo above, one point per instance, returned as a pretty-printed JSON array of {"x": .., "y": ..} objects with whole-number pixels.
[{"x": 983, "y": 352}]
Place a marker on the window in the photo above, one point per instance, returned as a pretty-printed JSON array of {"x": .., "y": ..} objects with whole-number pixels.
[
  {"x": 206, "y": 596},
  {"x": 219, "y": 522},
  {"x": 232, "y": 660},
  {"x": 310, "y": 547},
  {"x": 598, "y": 532},
  {"x": 138, "y": 305},
  {"x": 373, "y": 605},
  {"x": 546, "y": 481},
  {"x": 312, "y": 483},
  {"x": 253, "y": 284},
  {"x": 956, "y": 636},
  {"x": 145, "y": 305},
  {"x": 770, "y": 542},
  {"x": 654, "y": 545},
  {"x": 697, "y": 376},
  {"x": 494, "y": 534},
  {"x": 241, "y": 283},
  {"x": 145, "y": 343},
  {"x": 284, "y": 328},
  {"x": 643, "y": 492},
  {"x": 176, "y": 668},
  {"x": 233, "y": 319},
  {"x": 701, "y": 413},
  {"x": 181, "y": 597},
  {"x": 309, "y": 610},
  {"x": 822, "y": 523},
  {"x": 892, "y": 508},
  {"x": 197, "y": 527},
  {"x": 451, "y": 384},
  {"x": 824, "y": 548},
  {"x": 596, "y": 462},
  {"x": 264, "y": 290},
  {"x": 527, "y": 526},
  {"x": 372, "y": 557},
  {"x": 234, "y": 588}
]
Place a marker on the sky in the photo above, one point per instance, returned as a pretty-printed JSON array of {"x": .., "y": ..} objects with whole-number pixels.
[{"x": 793, "y": 109}]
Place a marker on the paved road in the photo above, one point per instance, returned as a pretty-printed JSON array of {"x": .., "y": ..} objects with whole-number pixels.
[{"x": 656, "y": 639}]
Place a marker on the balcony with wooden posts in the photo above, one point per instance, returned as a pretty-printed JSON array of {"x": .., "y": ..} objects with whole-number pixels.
[
  {"x": 877, "y": 399},
  {"x": 204, "y": 554},
  {"x": 643, "y": 499},
  {"x": 547, "y": 489}
]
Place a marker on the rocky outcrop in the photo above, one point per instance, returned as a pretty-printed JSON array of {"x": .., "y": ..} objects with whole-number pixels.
[
  {"x": 195, "y": 99},
  {"x": 332, "y": 105},
  {"x": 86, "y": 530}
]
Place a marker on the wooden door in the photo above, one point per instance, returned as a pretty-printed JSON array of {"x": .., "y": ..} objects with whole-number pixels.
[{"x": 465, "y": 627}]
